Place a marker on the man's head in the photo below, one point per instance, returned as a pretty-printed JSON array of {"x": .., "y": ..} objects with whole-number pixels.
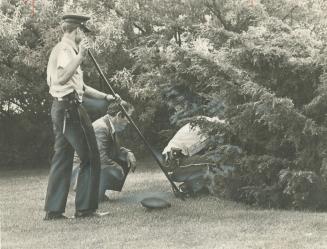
[
  {"x": 118, "y": 117},
  {"x": 75, "y": 25}
]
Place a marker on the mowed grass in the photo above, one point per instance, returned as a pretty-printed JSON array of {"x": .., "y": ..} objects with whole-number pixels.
[{"x": 202, "y": 222}]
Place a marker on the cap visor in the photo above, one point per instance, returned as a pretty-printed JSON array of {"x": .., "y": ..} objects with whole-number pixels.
[{"x": 85, "y": 29}]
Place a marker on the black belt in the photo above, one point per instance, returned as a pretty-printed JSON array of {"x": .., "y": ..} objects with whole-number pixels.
[{"x": 71, "y": 97}]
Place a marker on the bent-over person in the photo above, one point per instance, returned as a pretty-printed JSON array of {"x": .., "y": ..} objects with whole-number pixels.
[{"x": 116, "y": 161}]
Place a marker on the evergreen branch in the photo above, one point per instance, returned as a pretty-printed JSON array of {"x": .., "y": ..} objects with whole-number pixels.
[
  {"x": 215, "y": 10},
  {"x": 289, "y": 13},
  {"x": 120, "y": 14}
]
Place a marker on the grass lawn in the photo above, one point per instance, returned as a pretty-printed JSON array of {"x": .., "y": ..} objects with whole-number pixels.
[{"x": 202, "y": 222}]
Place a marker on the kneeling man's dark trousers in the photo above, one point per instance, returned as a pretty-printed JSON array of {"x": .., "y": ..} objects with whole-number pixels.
[{"x": 73, "y": 131}]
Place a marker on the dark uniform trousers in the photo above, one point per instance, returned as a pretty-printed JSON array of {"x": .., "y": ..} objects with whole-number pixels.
[{"x": 73, "y": 131}]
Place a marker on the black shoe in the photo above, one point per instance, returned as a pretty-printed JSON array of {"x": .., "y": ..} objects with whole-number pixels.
[
  {"x": 89, "y": 214},
  {"x": 104, "y": 198},
  {"x": 54, "y": 216}
]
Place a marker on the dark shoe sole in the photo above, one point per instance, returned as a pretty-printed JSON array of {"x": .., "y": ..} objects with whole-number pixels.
[{"x": 55, "y": 217}]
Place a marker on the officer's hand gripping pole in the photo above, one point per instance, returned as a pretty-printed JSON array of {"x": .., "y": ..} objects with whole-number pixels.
[{"x": 176, "y": 190}]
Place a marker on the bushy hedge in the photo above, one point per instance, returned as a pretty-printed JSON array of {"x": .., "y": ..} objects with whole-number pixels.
[{"x": 268, "y": 84}]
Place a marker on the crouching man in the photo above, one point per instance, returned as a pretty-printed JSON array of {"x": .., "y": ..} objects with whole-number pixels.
[{"x": 116, "y": 161}]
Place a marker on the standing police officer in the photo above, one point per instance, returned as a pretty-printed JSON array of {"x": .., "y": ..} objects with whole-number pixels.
[{"x": 71, "y": 124}]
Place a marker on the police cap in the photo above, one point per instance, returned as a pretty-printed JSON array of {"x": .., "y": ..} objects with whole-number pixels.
[{"x": 77, "y": 19}]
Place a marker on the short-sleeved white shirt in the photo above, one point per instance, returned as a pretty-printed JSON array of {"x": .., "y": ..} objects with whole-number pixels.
[{"x": 61, "y": 55}]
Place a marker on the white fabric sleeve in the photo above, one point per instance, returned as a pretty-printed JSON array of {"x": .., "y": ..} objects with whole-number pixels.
[{"x": 64, "y": 58}]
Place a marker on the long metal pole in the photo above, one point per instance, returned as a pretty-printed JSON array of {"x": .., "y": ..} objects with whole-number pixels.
[{"x": 177, "y": 192}]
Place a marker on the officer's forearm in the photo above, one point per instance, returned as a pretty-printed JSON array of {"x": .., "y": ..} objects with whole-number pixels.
[
  {"x": 93, "y": 93},
  {"x": 66, "y": 73}
]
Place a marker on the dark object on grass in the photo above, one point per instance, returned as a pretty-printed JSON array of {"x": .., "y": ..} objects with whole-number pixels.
[
  {"x": 155, "y": 203},
  {"x": 194, "y": 185},
  {"x": 192, "y": 178},
  {"x": 185, "y": 173}
]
